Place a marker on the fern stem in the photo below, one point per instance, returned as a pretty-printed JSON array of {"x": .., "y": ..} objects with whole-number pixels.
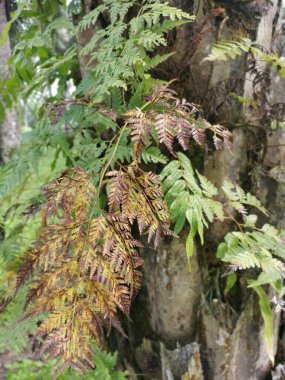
[{"x": 103, "y": 172}]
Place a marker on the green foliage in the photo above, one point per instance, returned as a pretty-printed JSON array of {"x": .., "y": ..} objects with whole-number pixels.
[
  {"x": 20, "y": 180},
  {"x": 260, "y": 248},
  {"x": 122, "y": 51},
  {"x": 35, "y": 370},
  {"x": 43, "y": 55},
  {"x": 252, "y": 247},
  {"x": 223, "y": 50},
  {"x": 121, "y": 123},
  {"x": 231, "y": 281},
  {"x": 189, "y": 198},
  {"x": 153, "y": 155},
  {"x": 266, "y": 312},
  {"x": 14, "y": 336},
  {"x": 238, "y": 199}
]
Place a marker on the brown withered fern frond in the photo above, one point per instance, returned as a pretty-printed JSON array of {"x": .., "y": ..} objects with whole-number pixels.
[
  {"x": 172, "y": 119},
  {"x": 140, "y": 125},
  {"x": 139, "y": 196},
  {"x": 83, "y": 268},
  {"x": 76, "y": 277}
]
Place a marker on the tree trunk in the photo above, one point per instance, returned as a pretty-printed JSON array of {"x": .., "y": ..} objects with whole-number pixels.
[
  {"x": 230, "y": 345},
  {"x": 9, "y": 129},
  {"x": 177, "y": 331}
]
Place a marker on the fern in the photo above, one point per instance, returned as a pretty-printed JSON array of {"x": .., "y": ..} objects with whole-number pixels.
[
  {"x": 92, "y": 17},
  {"x": 138, "y": 195},
  {"x": 252, "y": 247},
  {"x": 238, "y": 199},
  {"x": 29, "y": 369},
  {"x": 14, "y": 336},
  {"x": 223, "y": 50},
  {"x": 261, "y": 249},
  {"x": 78, "y": 278},
  {"x": 153, "y": 155},
  {"x": 122, "y": 49},
  {"x": 189, "y": 198},
  {"x": 172, "y": 119},
  {"x": 83, "y": 266}
]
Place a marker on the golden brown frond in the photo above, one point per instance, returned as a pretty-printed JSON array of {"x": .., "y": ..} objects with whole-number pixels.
[
  {"x": 82, "y": 269},
  {"x": 138, "y": 195},
  {"x": 140, "y": 124}
]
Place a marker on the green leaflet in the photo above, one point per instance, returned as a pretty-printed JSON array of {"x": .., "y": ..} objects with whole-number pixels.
[
  {"x": 223, "y": 50},
  {"x": 256, "y": 249},
  {"x": 231, "y": 281},
  {"x": 154, "y": 155},
  {"x": 192, "y": 219},
  {"x": 266, "y": 312},
  {"x": 238, "y": 199}
]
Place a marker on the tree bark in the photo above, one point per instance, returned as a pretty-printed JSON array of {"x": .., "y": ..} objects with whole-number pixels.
[
  {"x": 9, "y": 129},
  {"x": 175, "y": 333},
  {"x": 231, "y": 346}
]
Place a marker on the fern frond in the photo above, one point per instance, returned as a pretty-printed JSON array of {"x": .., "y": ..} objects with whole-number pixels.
[
  {"x": 223, "y": 50},
  {"x": 122, "y": 50},
  {"x": 189, "y": 200},
  {"x": 154, "y": 155},
  {"x": 91, "y": 17},
  {"x": 138, "y": 195},
  {"x": 172, "y": 119},
  {"x": 140, "y": 124},
  {"x": 258, "y": 249},
  {"x": 76, "y": 278},
  {"x": 238, "y": 199},
  {"x": 83, "y": 268}
]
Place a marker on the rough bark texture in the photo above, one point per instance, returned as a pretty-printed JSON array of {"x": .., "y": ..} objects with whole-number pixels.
[
  {"x": 175, "y": 332},
  {"x": 174, "y": 295},
  {"x": 9, "y": 129},
  {"x": 231, "y": 345}
]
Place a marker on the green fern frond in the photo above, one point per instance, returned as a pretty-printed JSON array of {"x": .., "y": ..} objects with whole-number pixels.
[
  {"x": 256, "y": 249},
  {"x": 238, "y": 199},
  {"x": 223, "y": 50},
  {"x": 154, "y": 155},
  {"x": 189, "y": 198},
  {"x": 91, "y": 17},
  {"x": 122, "y": 50}
]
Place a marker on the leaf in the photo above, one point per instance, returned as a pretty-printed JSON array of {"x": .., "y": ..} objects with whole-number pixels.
[
  {"x": 251, "y": 220},
  {"x": 187, "y": 199},
  {"x": 192, "y": 219},
  {"x": 189, "y": 249},
  {"x": 221, "y": 251},
  {"x": 101, "y": 274},
  {"x": 8, "y": 24},
  {"x": 231, "y": 281},
  {"x": 153, "y": 154},
  {"x": 265, "y": 308}
]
